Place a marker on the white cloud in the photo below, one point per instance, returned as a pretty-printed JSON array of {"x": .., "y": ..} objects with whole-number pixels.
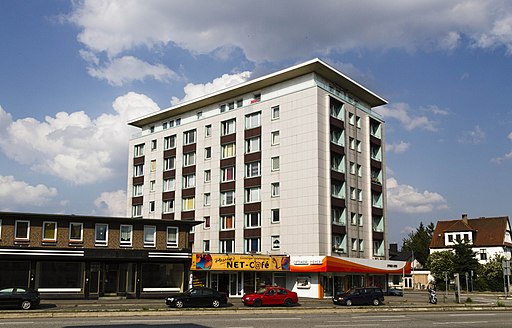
[
  {"x": 111, "y": 203},
  {"x": 114, "y": 27},
  {"x": 13, "y": 192},
  {"x": 398, "y": 148},
  {"x": 73, "y": 146},
  {"x": 407, "y": 199},
  {"x": 510, "y": 136},
  {"x": 474, "y": 137},
  {"x": 401, "y": 112},
  {"x": 506, "y": 157},
  {"x": 125, "y": 69},
  {"x": 193, "y": 91}
]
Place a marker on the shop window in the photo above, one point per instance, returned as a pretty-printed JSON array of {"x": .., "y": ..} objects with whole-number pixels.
[
  {"x": 55, "y": 276},
  {"x": 162, "y": 277}
]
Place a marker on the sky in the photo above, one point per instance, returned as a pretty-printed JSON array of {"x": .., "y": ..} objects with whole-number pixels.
[{"x": 72, "y": 73}]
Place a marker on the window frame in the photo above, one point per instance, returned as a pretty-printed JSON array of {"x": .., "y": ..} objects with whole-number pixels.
[
  {"x": 252, "y": 194},
  {"x": 170, "y": 142},
  {"x": 249, "y": 169},
  {"x": 248, "y": 245},
  {"x": 138, "y": 150},
  {"x": 138, "y": 190},
  {"x": 273, "y": 239},
  {"x": 207, "y": 222},
  {"x": 169, "y": 184},
  {"x": 273, "y": 215},
  {"x": 189, "y": 181},
  {"x": 97, "y": 241},
  {"x": 189, "y": 159},
  {"x": 138, "y": 170},
  {"x": 253, "y": 145},
  {"x": 43, "y": 232},
  {"x": 275, "y": 189},
  {"x": 248, "y": 220},
  {"x": 207, "y": 130},
  {"x": 172, "y": 244},
  {"x": 207, "y": 153},
  {"x": 228, "y": 150},
  {"x": 206, "y": 245},
  {"x": 228, "y": 127},
  {"x": 136, "y": 214},
  {"x": 188, "y": 201},
  {"x": 224, "y": 172},
  {"x": 148, "y": 242},
  {"x": 223, "y": 245},
  {"x": 207, "y": 199},
  {"x": 125, "y": 243},
  {"x": 169, "y": 163},
  {"x": 273, "y": 161},
  {"x": 168, "y": 209},
  {"x": 253, "y": 120},
  {"x": 27, "y": 234},
  {"x": 224, "y": 198},
  {"x": 189, "y": 137},
  {"x": 70, "y": 235},
  {"x": 224, "y": 220},
  {"x": 274, "y": 138},
  {"x": 273, "y": 111},
  {"x": 207, "y": 176}
]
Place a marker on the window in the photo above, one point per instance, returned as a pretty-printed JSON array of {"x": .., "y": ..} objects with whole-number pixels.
[
  {"x": 137, "y": 190},
  {"x": 138, "y": 150},
  {"x": 252, "y": 169},
  {"x": 256, "y": 98},
  {"x": 207, "y": 222},
  {"x": 171, "y": 124},
  {"x": 358, "y": 145},
  {"x": 101, "y": 234},
  {"x": 125, "y": 235},
  {"x": 207, "y": 199},
  {"x": 352, "y": 143},
  {"x": 239, "y": 103},
  {"x": 168, "y": 184},
  {"x": 252, "y": 145},
  {"x": 275, "y": 189},
  {"x": 227, "y": 198},
  {"x": 253, "y": 120},
  {"x": 169, "y": 163},
  {"x": 337, "y": 136},
  {"x": 149, "y": 236},
  {"x": 178, "y": 122},
  {"x": 231, "y": 105},
  {"x": 227, "y": 127},
  {"x": 361, "y": 245},
  {"x": 252, "y": 220},
  {"x": 138, "y": 170},
  {"x": 338, "y": 162},
  {"x": 164, "y": 126},
  {"x": 199, "y": 115},
  {"x": 206, "y": 245},
  {"x": 351, "y": 118},
  {"x": 275, "y": 163},
  {"x": 22, "y": 230},
  {"x": 337, "y": 189},
  {"x": 336, "y": 109},
  {"x": 275, "y": 112},
  {"x": 153, "y": 144},
  {"x": 227, "y": 246},
  {"x": 151, "y": 206},
  {"x": 353, "y": 218},
  {"x": 208, "y": 130},
  {"x": 152, "y": 129},
  {"x": 168, "y": 206},
  {"x": 227, "y": 174},
  {"x": 189, "y": 159},
  {"x": 208, "y": 153},
  {"x": 274, "y": 138},
  {"x": 252, "y": 195},
  {"x": 152, "y": 166},
  {"x": 49, "y": 231},
  {"x": 252, "y": 245},
  {"x": 207, "y": 175},
  {"x": 76, "y": 231},
  {"x": 170, "y": 142},
  {"x": 189, "y": 137},
  {"x": 354, "y": 244},
  {"x": 358, "y": 121},
  {"x": 0, "y": 229},
  {"x": 275, "y": 215},
  {"x": 227, "y": 222},
  {"x": 338, "y": 215},
  {"x": 450, "y": 238},
  {"x": 276, "y": 243},
  {"x": 152, "y": 184},
  {"x": 359, "y": 171},
  {"x": 189, "y": 181},
  {"x": 228, "y": 150},
  {"x": 188, "y": 204},
  {"x": 136, "y": 211},
  {"x": 483, "y": 254},
  {"x": 172, "y": 237}
]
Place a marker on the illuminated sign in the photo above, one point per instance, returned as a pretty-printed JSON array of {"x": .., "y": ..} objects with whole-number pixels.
[{"x": 222, "y": 262}]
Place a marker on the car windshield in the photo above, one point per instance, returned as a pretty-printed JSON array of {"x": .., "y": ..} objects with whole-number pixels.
[
  {"x": 192, "y": 291},
  {"x": 261, "y": 291}
]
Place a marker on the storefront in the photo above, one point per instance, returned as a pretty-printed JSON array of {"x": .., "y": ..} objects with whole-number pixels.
[
  {"x": 238, "y": 274},
  {"x": 323, "y": 276}
]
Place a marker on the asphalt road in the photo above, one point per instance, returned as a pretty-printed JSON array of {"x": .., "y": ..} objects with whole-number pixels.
[{"x": 487, "y": 319}]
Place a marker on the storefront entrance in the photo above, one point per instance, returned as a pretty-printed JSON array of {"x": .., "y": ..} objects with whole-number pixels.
[{"x": 229, "y": 283}]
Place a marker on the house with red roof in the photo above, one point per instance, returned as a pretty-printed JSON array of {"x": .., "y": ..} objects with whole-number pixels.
[{"x": 490, "y": 236}]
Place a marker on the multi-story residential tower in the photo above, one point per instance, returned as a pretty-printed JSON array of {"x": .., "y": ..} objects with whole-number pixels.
[{"x": 289, "y": 163}]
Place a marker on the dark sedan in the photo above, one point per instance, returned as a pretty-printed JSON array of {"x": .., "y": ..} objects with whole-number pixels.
[
  {"x": 395, "y": 292},
  {"x": 24, "y": 298},
  {"x": 197, "y": 296}
]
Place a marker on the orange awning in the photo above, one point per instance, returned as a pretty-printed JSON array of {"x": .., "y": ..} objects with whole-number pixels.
[{"x": 350, "y": 265}]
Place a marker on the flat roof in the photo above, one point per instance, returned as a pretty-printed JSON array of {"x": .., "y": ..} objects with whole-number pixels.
[{"x": 312, "y": 66}]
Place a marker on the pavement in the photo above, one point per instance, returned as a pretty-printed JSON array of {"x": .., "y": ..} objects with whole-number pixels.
[{"x": 411, "y": 301}]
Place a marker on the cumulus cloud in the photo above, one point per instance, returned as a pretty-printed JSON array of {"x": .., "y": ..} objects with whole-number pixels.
[
  {"x": 473, "y": 137},
  {"x": 407, "y": 199},
  {"x": 193, "y": 91},
  {"x": 14, "y": 192},
  {"x": 398, "y": 148},
  {"x": 506, "y": 157},
  {"x": 74, "y": 146},
  {"x": 117, "y": 26},
  {"x": 111, "y": 203},
  {"x": 402, "y": 113}
]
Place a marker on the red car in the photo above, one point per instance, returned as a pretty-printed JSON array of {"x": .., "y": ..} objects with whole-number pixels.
[{"x": 271, "y": 296}]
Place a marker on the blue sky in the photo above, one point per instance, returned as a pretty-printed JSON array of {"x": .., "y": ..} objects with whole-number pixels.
[{"x": 73, "y": 72}]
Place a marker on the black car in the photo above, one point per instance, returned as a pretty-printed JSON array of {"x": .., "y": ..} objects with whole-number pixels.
[
  {"x": 360, "y": 296},
  {"x": 197, "y": 296},
  {"x": 24, "y": 298},
  {"x": 395, "y": 292}
]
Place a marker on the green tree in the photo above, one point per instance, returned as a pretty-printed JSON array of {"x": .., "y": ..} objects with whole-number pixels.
[
  {"x": 489, "y": 276},
  {"x": 465, "y": 261},
  {"x": 418, "y": 243},
  {"x": 440, "y": 263}
]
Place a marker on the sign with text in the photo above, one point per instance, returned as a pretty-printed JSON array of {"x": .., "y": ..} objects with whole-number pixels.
[{"x": 231, "y": 262}]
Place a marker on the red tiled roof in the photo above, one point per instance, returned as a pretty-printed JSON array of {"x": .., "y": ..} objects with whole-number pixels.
[{"x": 486, "y": 231}]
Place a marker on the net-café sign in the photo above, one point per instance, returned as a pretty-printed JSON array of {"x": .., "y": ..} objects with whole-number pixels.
[{"x": 223, "y": 262}]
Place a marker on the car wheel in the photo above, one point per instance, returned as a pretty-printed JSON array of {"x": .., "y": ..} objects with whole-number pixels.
[
  {"x": 349, "y": 302},
  {"x": 376, "y": 302},
  {"x": 26, "y": 305},
  {"x": 216, "y": 303},
  {"x": 257, "y": 303},
  {"x": 179, "y": 304},
  {"x": 288, "y": 302}
]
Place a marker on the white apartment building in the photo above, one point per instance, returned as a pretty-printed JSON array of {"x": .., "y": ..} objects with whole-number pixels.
[{"x": 288, "y": 166}]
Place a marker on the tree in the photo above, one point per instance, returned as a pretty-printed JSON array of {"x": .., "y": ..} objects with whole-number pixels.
[
  {"x": 465, "y": 261},
  {"x": 439, "y": 264},
  {"x": 489, "y": 276},
  {"x": 418, "y": 243}
]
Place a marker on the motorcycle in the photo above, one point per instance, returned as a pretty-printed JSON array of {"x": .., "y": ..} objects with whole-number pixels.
[{"x": 432, "y": 296}]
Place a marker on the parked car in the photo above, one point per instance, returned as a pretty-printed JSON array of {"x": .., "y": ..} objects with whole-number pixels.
[
  {"x": 24, "y": 298},
  {"x": 360, "y": 296},
  {"x": 395, "y": 292},
  {"x": 271, "y": 296},
  {"x": 197, "y": 296}
]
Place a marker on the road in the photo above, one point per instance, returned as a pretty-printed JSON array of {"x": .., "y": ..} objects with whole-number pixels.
[{"x": 487, "y": 319}]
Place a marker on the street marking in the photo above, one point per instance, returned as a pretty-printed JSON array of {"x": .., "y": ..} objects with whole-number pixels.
[
  {"x": 262, "y": 319},
  {"x": 145, "y": 320},
  {"x": 378, "y": 316},
  {"x": 460, "y": 322},
  {"x": 352, "y": 325},
  {"x": 471, "y": 314},
  {"x": 18, "y": 323}
]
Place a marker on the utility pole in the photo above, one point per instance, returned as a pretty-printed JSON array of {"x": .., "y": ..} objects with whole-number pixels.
[{"x": 505, "y": 264}]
